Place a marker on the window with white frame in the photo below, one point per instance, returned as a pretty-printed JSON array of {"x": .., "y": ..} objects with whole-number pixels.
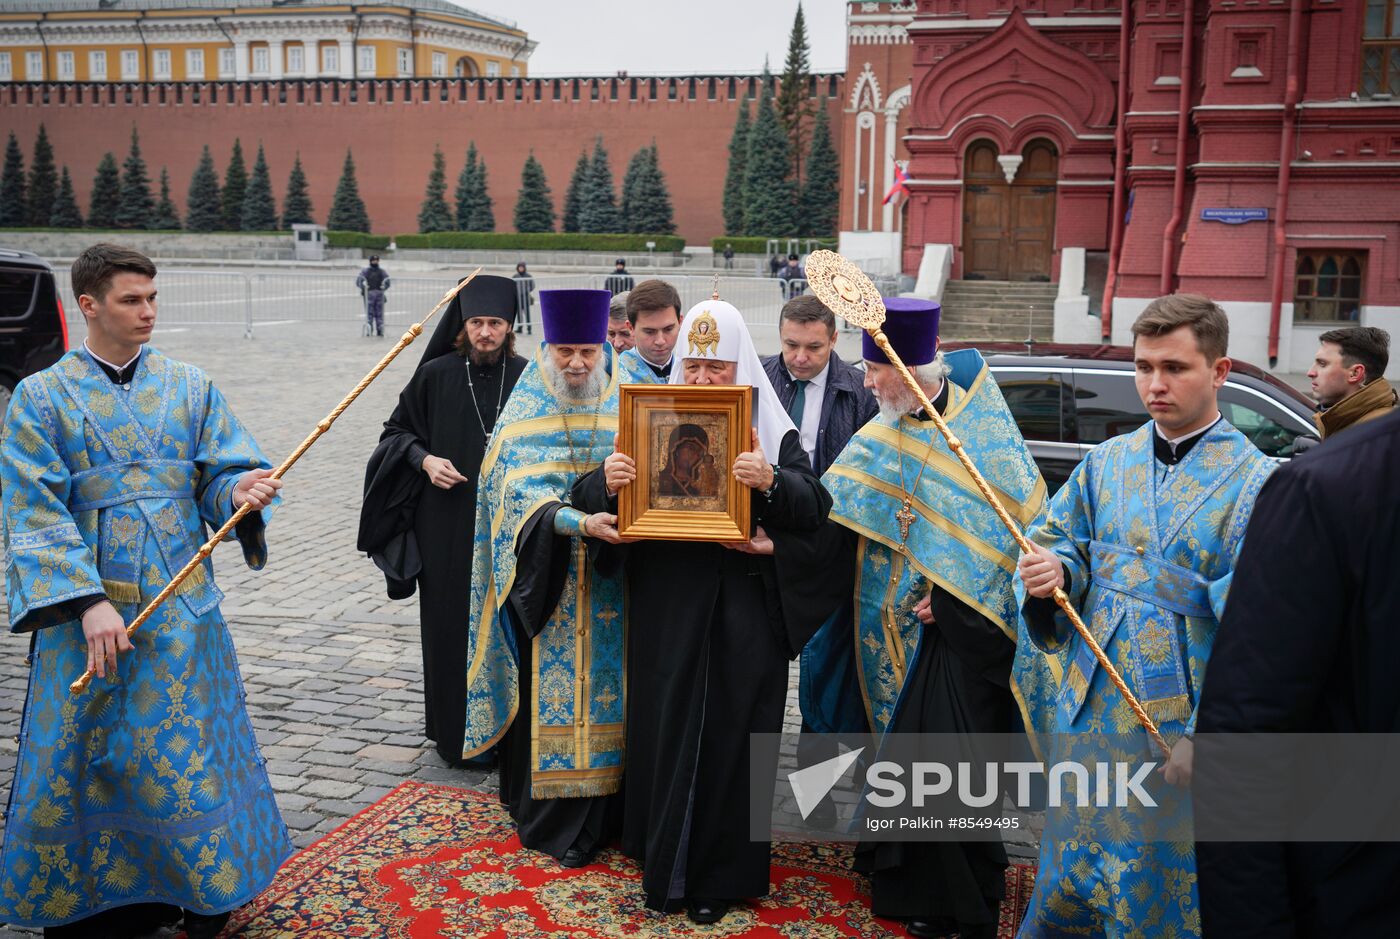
[
  {"x": 227, "y": 63},
  {"x": 66, "y": 69},
  {"x": 439, "y": 64},
  {"x": 366, "y": 66},
  {"x": 405, "y": 61},
  {"x": 194, "y": 63},
  {"x": 131, "y": 65},
  {"x": 262, "y": 60},
  {"x": 296, "y": 59},
  {"x": 330, "y": 60},
  {"x": 515, "y": 71},
  {"x": 34, "y": 66},
  {"x": 161, "y": 64},
  {"x": 6, "y": 70},
  {"x": 97, "y": 66},
  {"x": 493, "y": 70}
]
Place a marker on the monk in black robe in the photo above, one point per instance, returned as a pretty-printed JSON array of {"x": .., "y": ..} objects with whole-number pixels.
[
  {"x": 708, "y": 647},
  {"x": 419, "y": 510}
]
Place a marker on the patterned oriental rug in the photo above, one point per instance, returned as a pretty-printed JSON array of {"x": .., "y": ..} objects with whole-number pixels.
[{"x": 428, "y": 861}]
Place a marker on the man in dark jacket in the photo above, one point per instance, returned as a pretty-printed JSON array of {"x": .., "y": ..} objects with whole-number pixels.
[
  {"x": 826, "y": 398},
  {"x": 373, "y": 281},
  {"x": 1307, "y": 645}
]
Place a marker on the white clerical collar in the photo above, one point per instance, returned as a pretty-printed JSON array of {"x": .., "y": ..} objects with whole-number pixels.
[
  {"x": 114, "y": 367},
  {"x": 817, "y": 381},
  {"x": 665, "y": 365},
  {"x": 1175, "y": 442}
]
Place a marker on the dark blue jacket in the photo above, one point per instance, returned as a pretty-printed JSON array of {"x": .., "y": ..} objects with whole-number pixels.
[{"x": 846, "y": 405}]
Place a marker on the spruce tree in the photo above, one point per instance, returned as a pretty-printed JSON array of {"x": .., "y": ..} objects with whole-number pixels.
[
  {"x": 820, "y": 201},
  {"x": 106, "y": 195},
  {"x": 347, "y": 208},
  {"x": 650, "y": 208},
  {"x": 65, "y": 213},
  {"x": 574, "y": 195},
  {"x": 597, "y": 209},
  {"x": 534, "y": 209},
  {"x": 296, "y": 208},
  {"x": 14, "y": 210},
  {"x": 259, "y": 206},
  {"x": 770, "y": 198},
  {"x": 137, "y": 207},
  {"x": 794, "y": 105},
  {"x": 734, "y": 176},
  {"x": 636, "y": 169},
  {"x": 204, "y": 206},
  {"x": 434, "y": 214},
  {"x": 167, "y": 218},
  {"x": 234, "y": 190},
  {"x": 482, "y": 217},
  {"x": 43, "y": 180},
  {"x": 465, "y": 194}
]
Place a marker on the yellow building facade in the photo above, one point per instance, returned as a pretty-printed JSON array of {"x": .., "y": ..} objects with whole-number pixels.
[{"x": 254, "y": 40}]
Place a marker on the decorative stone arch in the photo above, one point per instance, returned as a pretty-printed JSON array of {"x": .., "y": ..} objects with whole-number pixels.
[
  {"x": 465, "y": 67},
  {"x": 1016, "y": 72},
  {"x": 894, "y": 106},
  {"x": 865, "y": 96}
]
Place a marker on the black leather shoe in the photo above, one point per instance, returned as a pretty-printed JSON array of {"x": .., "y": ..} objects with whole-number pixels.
[
  {"x": 703, "y": 912},
  {"x": 577, "y": 857},
  {"x": 925, "y": 929}
]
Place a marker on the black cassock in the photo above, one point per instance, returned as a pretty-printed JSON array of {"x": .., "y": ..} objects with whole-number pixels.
[
  {"x": 959, "y": 683},
  {"x": 708, "y": 642},
  {"x": 419, "y": 533}
]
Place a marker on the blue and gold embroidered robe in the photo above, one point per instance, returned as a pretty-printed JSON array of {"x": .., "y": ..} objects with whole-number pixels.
[
  {"x": 956, "y": 542},
  {"x": 540, "y": 446},
  {"x": 635, "y": 370},
  {"x": 1150, "y": 550},
  {"x": 148, "y": 787}
]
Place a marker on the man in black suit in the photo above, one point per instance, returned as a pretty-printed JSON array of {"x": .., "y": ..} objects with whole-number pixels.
[
  {"x": 1307, "y": 645},
  {"x": 826, "y": 398}
]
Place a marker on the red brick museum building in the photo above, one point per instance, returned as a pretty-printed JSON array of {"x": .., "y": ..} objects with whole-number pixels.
[{"x": 1246, "y": 149}]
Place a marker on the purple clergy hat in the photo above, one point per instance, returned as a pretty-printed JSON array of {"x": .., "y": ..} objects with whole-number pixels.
[
  {"x": 575, "y": 317},
  {"x": 912, "y": 327}
]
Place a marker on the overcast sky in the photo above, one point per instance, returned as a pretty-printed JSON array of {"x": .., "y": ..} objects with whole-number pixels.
[{"x": 669, "y": 36}]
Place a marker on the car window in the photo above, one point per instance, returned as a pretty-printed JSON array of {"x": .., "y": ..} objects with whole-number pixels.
[
  {"x": 1039, "y": 401},
  {"x": 17, "y": 292},
  {"x": 1106, "y": 405},
  {"x": 1268, "y": 426}
]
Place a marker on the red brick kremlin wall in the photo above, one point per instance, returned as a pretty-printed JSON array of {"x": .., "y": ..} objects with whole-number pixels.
[{"x": 393, "y": 126}]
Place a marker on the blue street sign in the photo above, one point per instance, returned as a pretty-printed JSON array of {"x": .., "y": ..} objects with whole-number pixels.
[{"x": 1234, "y": 216}]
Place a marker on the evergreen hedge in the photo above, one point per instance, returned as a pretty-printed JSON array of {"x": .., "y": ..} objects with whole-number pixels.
[{"x": 538, "y": 241}]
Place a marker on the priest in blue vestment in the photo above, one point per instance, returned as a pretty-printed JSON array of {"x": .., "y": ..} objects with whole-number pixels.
[
  {"x": 654, "y": 312},
  {"x": 1143, "y": 538},
  {"x": 544, "y": 666},
  {"x": 146, "y": 794},
  {"x": 920, "y": 571}
]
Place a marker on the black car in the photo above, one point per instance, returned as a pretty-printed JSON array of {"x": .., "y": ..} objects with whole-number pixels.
[
  {"x": 1067, "y": 399},
  {"x": 33, "y": 332}
]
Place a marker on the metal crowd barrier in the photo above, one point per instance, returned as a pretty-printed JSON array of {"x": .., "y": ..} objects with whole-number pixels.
[{"x": 252, "y": 298}]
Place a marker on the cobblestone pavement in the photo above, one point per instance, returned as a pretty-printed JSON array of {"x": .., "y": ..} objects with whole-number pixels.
[{"x": 331, "y": 666}]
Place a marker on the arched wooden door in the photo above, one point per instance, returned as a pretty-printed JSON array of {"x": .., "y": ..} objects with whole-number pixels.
[
  {"x": 1033, "y": 212},
  {"x": 985, "y": 199},
  {"x": 1009, "y": 228}
]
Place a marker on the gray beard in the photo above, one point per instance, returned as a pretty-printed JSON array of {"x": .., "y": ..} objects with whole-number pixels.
[
  {"x": 564, "y": 391},
  {"x": 892, "y": 409}
]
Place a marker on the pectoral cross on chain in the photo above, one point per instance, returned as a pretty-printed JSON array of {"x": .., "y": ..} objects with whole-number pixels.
[{"x": 906, "y": 517}]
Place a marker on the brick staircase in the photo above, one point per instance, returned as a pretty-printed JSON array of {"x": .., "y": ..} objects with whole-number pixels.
[{"x": 980, "y": 310}]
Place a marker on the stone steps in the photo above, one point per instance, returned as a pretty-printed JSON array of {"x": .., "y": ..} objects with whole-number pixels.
[{"x": 984, "y": 310}]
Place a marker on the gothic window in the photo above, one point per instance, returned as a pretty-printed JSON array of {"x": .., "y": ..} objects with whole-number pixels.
[
  {"x": 1380, "y": 48},
  {"x": 1327, "y": 286}
]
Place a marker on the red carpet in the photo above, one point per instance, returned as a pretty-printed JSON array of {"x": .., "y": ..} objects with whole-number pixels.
[{"x": 428, "y": 861}]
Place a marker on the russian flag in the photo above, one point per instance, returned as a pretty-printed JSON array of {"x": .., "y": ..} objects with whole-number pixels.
[{"x": 901, "y": 184}]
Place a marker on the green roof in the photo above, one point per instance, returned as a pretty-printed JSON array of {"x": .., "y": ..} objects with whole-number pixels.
[{"x": 137, "y": 6}]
